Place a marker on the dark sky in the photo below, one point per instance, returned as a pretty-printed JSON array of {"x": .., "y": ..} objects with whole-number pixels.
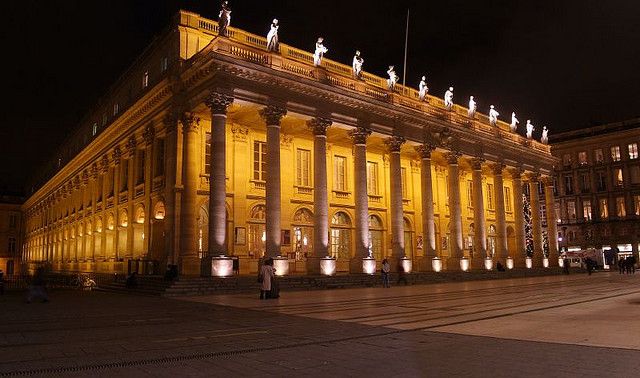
[{"x": 564, "y": 64}]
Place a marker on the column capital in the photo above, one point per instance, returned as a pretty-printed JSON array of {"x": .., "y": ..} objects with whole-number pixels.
[
  {"x": 476, "y": 163},
  {"x": 131, "y": 146},
  {"x": 272, "y": 114},
  {"x": 117, "y": 155},
  {"x": 149, "y": 134},
  {"x": 516, "y": 173},
  {"x": 94, "y": 171},
  {"x": 359, "y": 135},
  {"x": 76, "y": 182},
  {"x": 218, "y": 102},
  {"x": 85, "y": 177},
  {"x": 104, "y": 164},
  {"x": 452, "y": 157},
  {"x": 394, "y": 143},
  {"x": 497, "y": 168},
  {"x": 319, "y": 125},
  {"x": 533, "y": 177},
  {"x": 424, "y": 150},
  {"x": 190, "y": 122},
  {"x": 547, "y": 180},
  {"x": 170, "y": 121}
]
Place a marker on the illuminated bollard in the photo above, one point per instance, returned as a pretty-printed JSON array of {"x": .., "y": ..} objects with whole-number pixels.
[
  {"x": 281, "y": 265},
  {"x": 545, "y": 262},
  {"x": 369, "y": 265},
  {"x": 221, "y": 266},
  {"x": 406, "y": 263},
  {"x": 464, "y": 264},
  {"x": 509, "y": 262},
  {"x": 436, "y": 264},
  {"x": 529, "y": 262},
  {"x": 488, "y": 263},
  {"x": 327, "y": 266}
]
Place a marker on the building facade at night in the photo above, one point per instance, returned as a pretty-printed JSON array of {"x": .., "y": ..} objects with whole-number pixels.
[
  {"x": 10, "y": 234},
  {"x": 213, "y": 145},
  {"x": 598, "y": 187}
]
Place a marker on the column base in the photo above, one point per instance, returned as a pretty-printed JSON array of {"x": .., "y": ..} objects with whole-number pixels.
[
  {"x": 424, "y": 264},
  {"x": 453, "y": 264},
  {"x": 477, "y": 263},
  {"x": 537, "y": 261},
  {"x": 313, "y": 265},
  {"x": 190, "y": 266},
  {"x": 326, "y": 266},
  {"x": 520, "y": 262}
]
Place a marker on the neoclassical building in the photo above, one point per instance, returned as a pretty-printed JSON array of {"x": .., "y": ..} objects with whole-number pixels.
[{"x": 211, "y": 145}]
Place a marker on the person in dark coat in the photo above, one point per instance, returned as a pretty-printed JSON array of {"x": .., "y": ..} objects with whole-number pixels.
[{"x": 565, "y": 265}]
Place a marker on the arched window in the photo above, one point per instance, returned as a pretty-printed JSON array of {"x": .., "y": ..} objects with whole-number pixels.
[
  {"x": 491, "y": 241},
  {"x": 99, "y": 224},
  {"x": 302, "y": 233},
  {"x": 341, "y": 235},
  {"x": 89, "y": 228},
  {"x": 375, "y": 237},
  {"x": 111, "y": 221},
  {"x": 123, "y": 218},
  {"x": 257, "y": 234},
  {"x": 159, "y": 210},
  {"x": 470, "y": 236},
  {"x": 140, "y": 215}
]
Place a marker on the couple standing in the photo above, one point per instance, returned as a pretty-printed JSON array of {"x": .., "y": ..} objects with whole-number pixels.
[{"x": 269, "y": 288}]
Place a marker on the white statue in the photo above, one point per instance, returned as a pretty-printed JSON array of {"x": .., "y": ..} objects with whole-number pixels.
[
  {"x": 493, "y": 116},
  {"x": 319, "y": 53},
  {"x": 393, "y": 78},
  {"x": 545, "y": 135},
  {"x": 423, "y": 89},
  {"x": 448, "y": 98},
  {"x": 472, "y": 107},
  {"x": 514, "y": 122},
  {"x": 357, "y": 65},
  {"x": 272, "y": 37},
  {"x": 224, "y": 18},
  {"x": 530, "y": 129}
]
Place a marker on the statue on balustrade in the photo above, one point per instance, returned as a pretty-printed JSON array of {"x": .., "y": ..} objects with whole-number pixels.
[
  {"x": 357, "y": 65},
  {"x": 545, "y": 135},
  {"x": 393, "y": 78},
  {"x": 493, "y": 115},
  {"x": 272, "y": 37},
  {"x": 423, "y": 89},
  {"x": 448, "y": 98},
  {"x": 530, "y": 129},
  {"x": 472, "y": 107},
  {"x": 224, "y": 18},
  {"x": 319, "y": 53},
  {"x": 514, "y": 122}
]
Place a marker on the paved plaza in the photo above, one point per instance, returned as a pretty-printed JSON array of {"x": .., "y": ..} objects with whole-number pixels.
[{"x": 574, "y": 325}]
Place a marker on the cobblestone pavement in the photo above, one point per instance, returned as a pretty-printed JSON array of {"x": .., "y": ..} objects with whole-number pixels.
[{"x": 574, "y": 325}]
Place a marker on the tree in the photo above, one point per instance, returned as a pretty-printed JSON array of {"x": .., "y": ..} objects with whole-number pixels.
[{"x": 528, "y": 227}]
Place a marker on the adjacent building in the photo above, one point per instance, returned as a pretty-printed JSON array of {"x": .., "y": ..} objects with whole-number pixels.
[
  {"x": 10, "y": 234},
  {"x": 212, "y": 145}
]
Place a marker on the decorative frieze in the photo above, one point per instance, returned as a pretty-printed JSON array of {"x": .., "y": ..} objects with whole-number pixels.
[{"x": 239, "y": 133}]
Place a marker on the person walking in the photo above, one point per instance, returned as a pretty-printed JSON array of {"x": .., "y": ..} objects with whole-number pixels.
[
  {"x": 621, "y": 264},
  {"x": 589, "y": 263},
  {"x": 386, "y": 268},
  {"x": 265, "y": 277},
  {"x": 565, "y": 265}
]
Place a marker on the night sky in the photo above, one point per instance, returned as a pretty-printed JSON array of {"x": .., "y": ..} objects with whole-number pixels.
[{"x": 563, "y": 64}]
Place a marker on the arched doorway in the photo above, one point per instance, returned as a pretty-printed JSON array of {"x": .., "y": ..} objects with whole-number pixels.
[
  {"x": 375, "y": 237},
  {"x": 341, "y": 236},
  {"x": 257, "y": 234},
  {"x": 302, "y": 233},
  {"x": 140, "y": 217},
  {"x": 491, "y": 241},
  {"x": 511, "y": 241},
  {"x": 408, "y": 239}
]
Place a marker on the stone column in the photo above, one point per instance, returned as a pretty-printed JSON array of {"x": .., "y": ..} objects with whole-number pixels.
[
  {"x": 131, "y": 189},
  {"x": 455, "y": 213},
  {"x": 117, "y": 159},
  {"x": 479, "y": 226},
  {"x": 359, "y": 136},
  {"x": 394, "y": 144},
  {"x": 552, "y": 226},
  {"x": 104, "y": 170},
  {"x": 501, "y": 222},
  {"x": 536, "y": 224},
  {"x": 428, "y": 223},
  {"x": 218, "y": 103},
  {"x": 519, "y": 254},
  {"x": 189, "y": 261},
  {"x": 319, "y": 127},
  {"x": 170, "y": 146},
  {"x": 272, "y": 115},
  {"x": 149, "y": 138}
]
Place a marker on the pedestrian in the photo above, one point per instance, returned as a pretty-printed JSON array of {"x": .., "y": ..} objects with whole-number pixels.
[
  {"x": 621, "y": 264},
  {"x": 401, "y": 276},
  {"x": 589, "y": 263},
  {"x": 632, "y": 263},
  {"x": 386, "y": 268},
  {"x": 565, "y": 265},
  {"x": 499, "y": 267},
  {"x": 628, "y": 264},
  {"x": 132, "y": 281},
  {"x": 265, "y": 277},
  {"x": 38, "y": 287}
]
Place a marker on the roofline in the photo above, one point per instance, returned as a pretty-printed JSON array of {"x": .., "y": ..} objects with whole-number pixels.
[{"x": 607, "y": 128}]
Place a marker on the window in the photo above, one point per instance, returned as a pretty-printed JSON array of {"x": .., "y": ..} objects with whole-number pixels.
[
  {"x": 566, "y": 160},
  {"x": 636, "y": 205},
  {"x": 140, "y": 167},
  {"x": 259, "y": 160},
  {"x": 585, "y": 185},
  {"x": 599, "y": 156},
  {"x": 341, "y": 236},
  {"x": 375, "y": 237},
  {"x": 556, "y": 207},
  {"x": 111, "y": 182},
  {"x": 571, "y": 210},
  {"x": 124, "y": 175},
  {"x": 207, "y": 153},
  {"x": 159, "y": 161},
  {"x": 116, "y": 109},
  {"x": 12, "y": 245},
  {"x": 617, "y": 177},
  {"x": 145, "y": 79},
  {"x": 164, "y": 64},
  {"x": 507, "y": 199},
  {"x": 94, "y": 129},
  {"x": 372, "y": 178},
  {"x": 490, "y": 196},
  {"x": 470, "y": 194},
  {"x": 634, "y": 174},
  {"x": 99, "y": 182},
  {"x": 615, "y": 153},
  {"x": 620, "y": 207},
  {"x": 633, "y": 150},
  {"x": 586, "y": 210},
  {"x": 582, "y": 158},
  {"x": 403, "y": 179},
  {"x": 602, "y": 181},
  {"x": 568, "y": 185},
  {"x": 604, "y": 208},
  {"x": 13, "y": 220},
  {"x": 303, "y": 167},
  {"x": 340, "y": 173}
]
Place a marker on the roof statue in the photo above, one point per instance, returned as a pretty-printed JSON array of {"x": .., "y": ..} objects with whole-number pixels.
[
  {"x": 545, "y": 135},
  {"x": 493, "y": 115},
  {"x": 530, "y": 129},
  {"x": 357, "y": 65},
  {"x": 224, "y": 18},
  {"x": 514, "y": 122},
  {"x": 448, "y": 98},
  {"x": 393, "y": 78},
  {"x": 319, "y": 53},
  {"x": 472, "y": 107},
  {"x": 272, "y": 36},
  {"x": 423, "y": 89}
]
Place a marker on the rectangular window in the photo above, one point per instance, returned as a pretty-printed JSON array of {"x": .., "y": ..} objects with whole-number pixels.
[
  {"x": 557, "y": 212},
  {"x": 372, "y": 178},
  {"x": 568, "y": 185},
  {"x": 604, "y": 208},
  {"x": 620, "y": 207},
  {"x": 599, "y": 155},
  {"x": 585, "y": 185},
  {"x": 490, "y": 204},
  {"x": 159, "y": 160},
  {"x": 571, "y": 210},
  {"x": 303, "y": 167},
  {"x": 99, "y": 188},
  {"x": 617, "y": 177},
  {"x": 13, "y": 220},
  {"x": 340, "y": 173},
  {"x": 116, "y": 109},
  {"x": 582, "y": 158},
  {"x": 586, "y": 210},
  {"x": 602, "y": 181},
  {"x": 164, "y": 64},
  {"x": 12, "y": 245},
  {"x": 403, "y": 176},
  {"x": 124, "y": 175},
  {"x": 634, "y": 174},
  {"x": 507, "y": 199},
  {"x": 140, "y": 167},
  {"x": 615, "y": 153},
  {"x": 111, "y": 182},
  {"x": 566, "y": 160},
  {"x": 633, "y": 151},
  {"x": 145, "y": 79},
  {"x": 207, "y": 153},
  {"x": 259, "y": 160},
  {"x": 470, "y": 194},
  {"x": 636, "y": 205}
]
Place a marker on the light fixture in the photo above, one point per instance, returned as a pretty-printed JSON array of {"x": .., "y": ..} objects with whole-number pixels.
[
  {"x": 545, "y": 262},
  {"x": 529, "y": 262},
  {"x": 369, "y": 265},
  {"x": 488, "y": 263},
  {"x": 509, "y": 262},
  {"x": 436, "y": 264},
  {"x": 464, "y": 264},
  {"x": 327, "y": 266}
]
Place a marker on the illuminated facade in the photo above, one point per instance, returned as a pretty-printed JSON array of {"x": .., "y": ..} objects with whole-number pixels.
[
  {"x": 598, "y": 187},
  {"x": 213, "y": 145}
]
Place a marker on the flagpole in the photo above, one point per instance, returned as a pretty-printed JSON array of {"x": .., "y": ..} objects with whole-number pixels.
[{"x": 406, "y": 42}]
